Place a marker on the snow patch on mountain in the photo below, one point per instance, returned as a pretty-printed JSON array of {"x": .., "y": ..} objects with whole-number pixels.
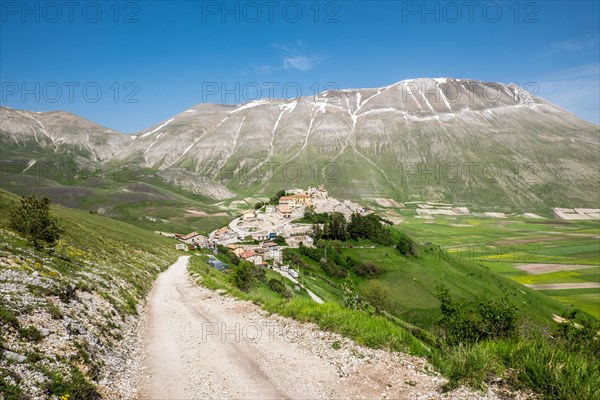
[
  {"x": 252, "y": 104},
  {"x": 159, "y": 128},
  {"x": 288, "y": 106}
]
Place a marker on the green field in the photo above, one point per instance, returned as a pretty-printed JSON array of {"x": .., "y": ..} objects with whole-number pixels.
[{"x": 503, "y": 244}]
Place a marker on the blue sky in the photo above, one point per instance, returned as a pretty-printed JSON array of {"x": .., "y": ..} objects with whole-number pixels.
[{"x": 130, "y": 65}]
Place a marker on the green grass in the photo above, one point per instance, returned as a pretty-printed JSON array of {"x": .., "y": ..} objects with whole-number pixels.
[
  {"x": 524, "y": 363},
  {"x": 376, "y": 332},
  {"x": 502, "y": 244},
  {"x": 8, "y": 317},
  {"x": 528, "y": 361},
  {"x": 30, "y": 333},
  {"x": 150, "y": 203},
  {"x": 97, "y": 255},
  {"x": 587, "y": 300},
  {"x": 411, "y": 282},
  {"x": 75, "y": 385}
]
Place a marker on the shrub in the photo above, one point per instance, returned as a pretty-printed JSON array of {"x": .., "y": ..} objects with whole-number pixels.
[
  {"x": 75, "y": 386},
  {"x": 54, "y": 311},
  {"x": 364, "y": 270},
  {"x": 227, "y": 256},
  {"x": 378, "y": 295},
  {"x": 244, "y": 276},
  {"x": 492, "y": 319},
  {"x": 275, "y": 199},
  {"x": 280, "y": 240},
  {"x": 499, "y": 318},
  {"x": 406, "y": 246},
  {"x": 579, "y": 334},
  {"x": 32, "y": 219},
  {"x": 278, "y": 286},
  {"x": 333, "y": 270},
  {"x": 350, "y": 298}
]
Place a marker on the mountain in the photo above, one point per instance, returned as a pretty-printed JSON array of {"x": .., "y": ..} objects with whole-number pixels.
[
  {"x": 53, "y": 133},
  {"x": 461, "y": 141}
]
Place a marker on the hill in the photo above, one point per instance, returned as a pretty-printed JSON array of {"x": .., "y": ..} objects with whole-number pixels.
[{"x": 65, "y": 312}]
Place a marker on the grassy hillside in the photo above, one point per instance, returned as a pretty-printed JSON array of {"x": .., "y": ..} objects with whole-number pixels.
[
  {"x": 411, "y": 284},
  {"x": 64, "y": 311},
  {"x": 399, "y": 307},
  {"x": 561, "y": 366},
  {"x": 134, "y": 196},
  {"x": 507, "y": 245}
]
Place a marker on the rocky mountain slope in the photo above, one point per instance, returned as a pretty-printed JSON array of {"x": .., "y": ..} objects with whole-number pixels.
[{"x": 462, "y": 141}]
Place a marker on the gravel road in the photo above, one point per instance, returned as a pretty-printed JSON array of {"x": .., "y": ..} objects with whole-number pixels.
[{"x": 199, "y": 344}]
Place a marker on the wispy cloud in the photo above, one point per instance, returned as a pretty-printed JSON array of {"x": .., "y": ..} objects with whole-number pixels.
[
  {"x": 302, "y": 63},
  {"x": 577, "y": 44},
  {"x": 292, "y": 57},
  {"x": 574, "y": 45},
  {"x": 574, "y": 89}
]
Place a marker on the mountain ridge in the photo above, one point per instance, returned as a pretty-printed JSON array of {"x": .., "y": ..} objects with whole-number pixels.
[{"x": 360, "y": 142}]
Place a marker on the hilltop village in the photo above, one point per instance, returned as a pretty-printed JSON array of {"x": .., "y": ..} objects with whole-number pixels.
[{"x": 259, "y": 236}]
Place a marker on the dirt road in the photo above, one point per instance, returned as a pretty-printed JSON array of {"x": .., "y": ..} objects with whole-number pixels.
[{"x": 200, "y": 345}]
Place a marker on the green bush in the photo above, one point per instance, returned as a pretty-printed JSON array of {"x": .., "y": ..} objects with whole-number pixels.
[
  {"x": 579, "y": 333},
  {"x": 7, "y": 387},
  {"x": 406, "y": 246},
  {"x": 54, "y": 311},
  {"x": 362, "y": 269},
  {"x": 492, "y": 319},
  {"x": 32, "y": 219},
  {"x": 278, "y": 286},
  {"x": 378, "y": 295},
  {"x": 499, "y": 318},
  {"x": 275, "y": 199},
  {"x": 244, "y": 276},
  {"x": 76, "y": 386}
]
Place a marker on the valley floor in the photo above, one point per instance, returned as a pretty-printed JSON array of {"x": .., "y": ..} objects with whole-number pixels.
[{"x": 200, "y": 344}]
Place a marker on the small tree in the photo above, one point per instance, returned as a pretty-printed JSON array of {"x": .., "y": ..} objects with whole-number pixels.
[
  {"x": 490, "y": 319},
  {"x": 335, "y": 229},
  {"x": 32, "y": 219},
  {"x": 378, "y": 295},
  {"x": 244, "y": 276},
  {"x": 280, "y": 240},
  {"x": 278, "y": 195}
]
